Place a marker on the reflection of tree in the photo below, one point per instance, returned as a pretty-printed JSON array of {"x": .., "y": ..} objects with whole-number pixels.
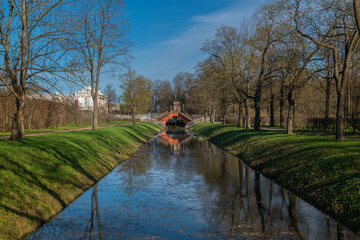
[
  {"x": 292, "y": 215},
  {"x": 340, "y": 233},
  {"x": 94, "y": 210},
  {"x": 134, "y": 173},
  {"x": 244, "y": 202},
  {"x": 259, "y": 200}
]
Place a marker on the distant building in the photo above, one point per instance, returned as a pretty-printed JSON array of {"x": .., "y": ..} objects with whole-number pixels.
[{"x": 84, "y": 100}]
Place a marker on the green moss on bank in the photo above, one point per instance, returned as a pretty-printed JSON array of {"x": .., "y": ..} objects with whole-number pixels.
[
  {"x": 322, "y": 171},
  {"x": 40, "y": 175}
]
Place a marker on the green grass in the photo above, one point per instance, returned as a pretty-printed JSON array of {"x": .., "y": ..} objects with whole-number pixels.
[
  {"x": 66, "y": 127},
  {"x": 347, "y": 132},
  {"x": 40, "y": 175},
  {"x": 320, "y": 170}
]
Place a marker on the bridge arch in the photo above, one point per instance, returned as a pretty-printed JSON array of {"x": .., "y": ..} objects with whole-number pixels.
[{"x": 185, "y": 118}]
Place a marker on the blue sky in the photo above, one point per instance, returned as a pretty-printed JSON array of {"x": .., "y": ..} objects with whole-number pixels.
[{"x": 168, "y": 34}]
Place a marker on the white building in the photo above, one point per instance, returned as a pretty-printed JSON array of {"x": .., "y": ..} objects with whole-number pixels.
[{"x": 84, "y": 100}]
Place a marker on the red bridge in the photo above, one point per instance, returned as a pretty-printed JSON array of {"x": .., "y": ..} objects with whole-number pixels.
[{"x": 164, "y": 118}]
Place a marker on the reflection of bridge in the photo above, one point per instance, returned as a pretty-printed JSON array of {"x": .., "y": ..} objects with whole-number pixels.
[
  {"x": 173, "y": 140},
  {"x": 164, "y": 118}
]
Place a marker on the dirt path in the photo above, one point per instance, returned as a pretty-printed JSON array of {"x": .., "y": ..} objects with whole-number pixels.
[
  {"x": 62, "y": 131},
  {"x": 308, "y": 133}
]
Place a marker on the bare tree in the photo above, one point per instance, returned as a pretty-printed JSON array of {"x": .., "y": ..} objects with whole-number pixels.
[
  {"x": 33, "y": 47},
  {"x": 101, "y": 40},
  {"x": 339, "y": 26},
  {"x": 226, "y": 52},
  {"x": 162, "y": 94},
  {"x": 269, "y": 21},
  {"x": 208, "y": 88},
  {"x": 111, "y": 97},
  {"x": 183, "y": 83}
]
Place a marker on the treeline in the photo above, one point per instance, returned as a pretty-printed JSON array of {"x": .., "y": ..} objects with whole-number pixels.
[
  {"x": 41, "y": 113},
  {"x": 295, "y": 63},
  {"x": 48, "y": 44}
]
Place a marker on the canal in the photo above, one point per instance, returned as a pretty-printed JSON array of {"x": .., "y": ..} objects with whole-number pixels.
[{"x": 177, "y": 186}]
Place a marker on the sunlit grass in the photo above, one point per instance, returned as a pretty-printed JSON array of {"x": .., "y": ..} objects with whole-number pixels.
[
  {"x": 66, "y": 127},
  {"x": 40, "y": 175},
  {"x": 317, "y": 168},
  {"x": 347, "y": 131}
]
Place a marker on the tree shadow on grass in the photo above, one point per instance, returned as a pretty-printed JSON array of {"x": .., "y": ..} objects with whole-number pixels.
[
  {"x": 208, "y": 130},
  {"x": 228, "y": 138},
  {"x": 31, "y": 178},
  {"x": 62, "y": 148}
]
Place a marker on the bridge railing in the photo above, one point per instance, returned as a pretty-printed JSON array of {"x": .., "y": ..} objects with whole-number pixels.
[
  {"x": 186, "y": 115},
  {"x": 163, "y": 115},
  {"x": 194, "y": 122}
]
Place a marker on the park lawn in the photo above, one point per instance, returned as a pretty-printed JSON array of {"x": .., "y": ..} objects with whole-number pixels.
[
  {"x": 66, "y": 127},
  {"x": 347, "y": 132},
  {"x": 41, "y": 175},
  {"x": 320, "y": 170}
]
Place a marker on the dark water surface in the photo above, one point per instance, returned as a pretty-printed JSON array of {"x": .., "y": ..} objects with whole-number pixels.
[{"x": 178, "y": 187}]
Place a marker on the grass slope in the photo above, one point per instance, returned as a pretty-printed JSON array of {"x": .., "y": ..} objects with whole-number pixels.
[
  {"x": 323, "y": 172},
  {"x": 41, "y": 175},
  {"x": 66, "y": 127}
]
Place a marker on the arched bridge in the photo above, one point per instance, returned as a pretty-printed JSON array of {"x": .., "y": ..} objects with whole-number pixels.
[{"x": 164, "y": 118}]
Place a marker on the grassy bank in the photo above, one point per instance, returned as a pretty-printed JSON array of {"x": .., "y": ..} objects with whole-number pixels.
[
  {"x": 40, "y": 175},
  {"x": 66, "y": 127},
  {"x": 323, "y": 172}
]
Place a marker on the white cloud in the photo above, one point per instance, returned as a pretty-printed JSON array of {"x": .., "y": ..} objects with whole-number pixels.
[{"x": 167, "y": 58}]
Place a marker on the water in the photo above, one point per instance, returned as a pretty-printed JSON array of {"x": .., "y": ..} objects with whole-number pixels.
[{"x": 178, "y": 187}]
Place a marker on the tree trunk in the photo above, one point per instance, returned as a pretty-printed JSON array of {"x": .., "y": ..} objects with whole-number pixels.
[
  {"x": 213, "y": 116},
  {"x": 14, "y": 134},
  {"x": 257, "y": 101},
  {"x": 247, "y": 114},
  {"x": 133, "y": 113},
  {"x": 290, "y": 119},
  {"x": 18, "y": 130},
  {"x": 340, "y": 105},
  {"x": 239, "y": 116},
  {"x": 206, "y": 115},
  {"x": 20, "y": 116},
  {"x": 282, "y": 103},
  {"x": 348, "y": 102},
  {"x": 223, "y": 116},
  {"x": 340, "y": 116},
  {"x": 327, "y": 101},
  {"x": 272, "y": 118},
  {"x": 20, "y": 100},
  {"x": 95, "y": 113}
]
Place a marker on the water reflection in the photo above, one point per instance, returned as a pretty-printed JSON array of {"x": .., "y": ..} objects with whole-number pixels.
[
  {"x": 174, "y": 139},
  {"x": 134, "y": 174},
  {"x": 94, "y": 210},
  {"x": 177, "y": 187}
]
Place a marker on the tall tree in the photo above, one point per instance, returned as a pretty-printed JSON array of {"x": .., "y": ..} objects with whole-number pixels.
[
  {"x": 335, "y": 31},
  {"x": 101, "y": 40},
  {"x": 111, "y": 96},
  {"x": 296, "y": 54},
  {"x": 269, "y": 20},
  {"x": 33, "y": 47},
  {"x": 225, "y": 51},
  {"x": 208, "y": 88},
  {"x": 137, "y": 92},
  {"x": 183, "y": 82},
  {"x": 163, "y": 94}
]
